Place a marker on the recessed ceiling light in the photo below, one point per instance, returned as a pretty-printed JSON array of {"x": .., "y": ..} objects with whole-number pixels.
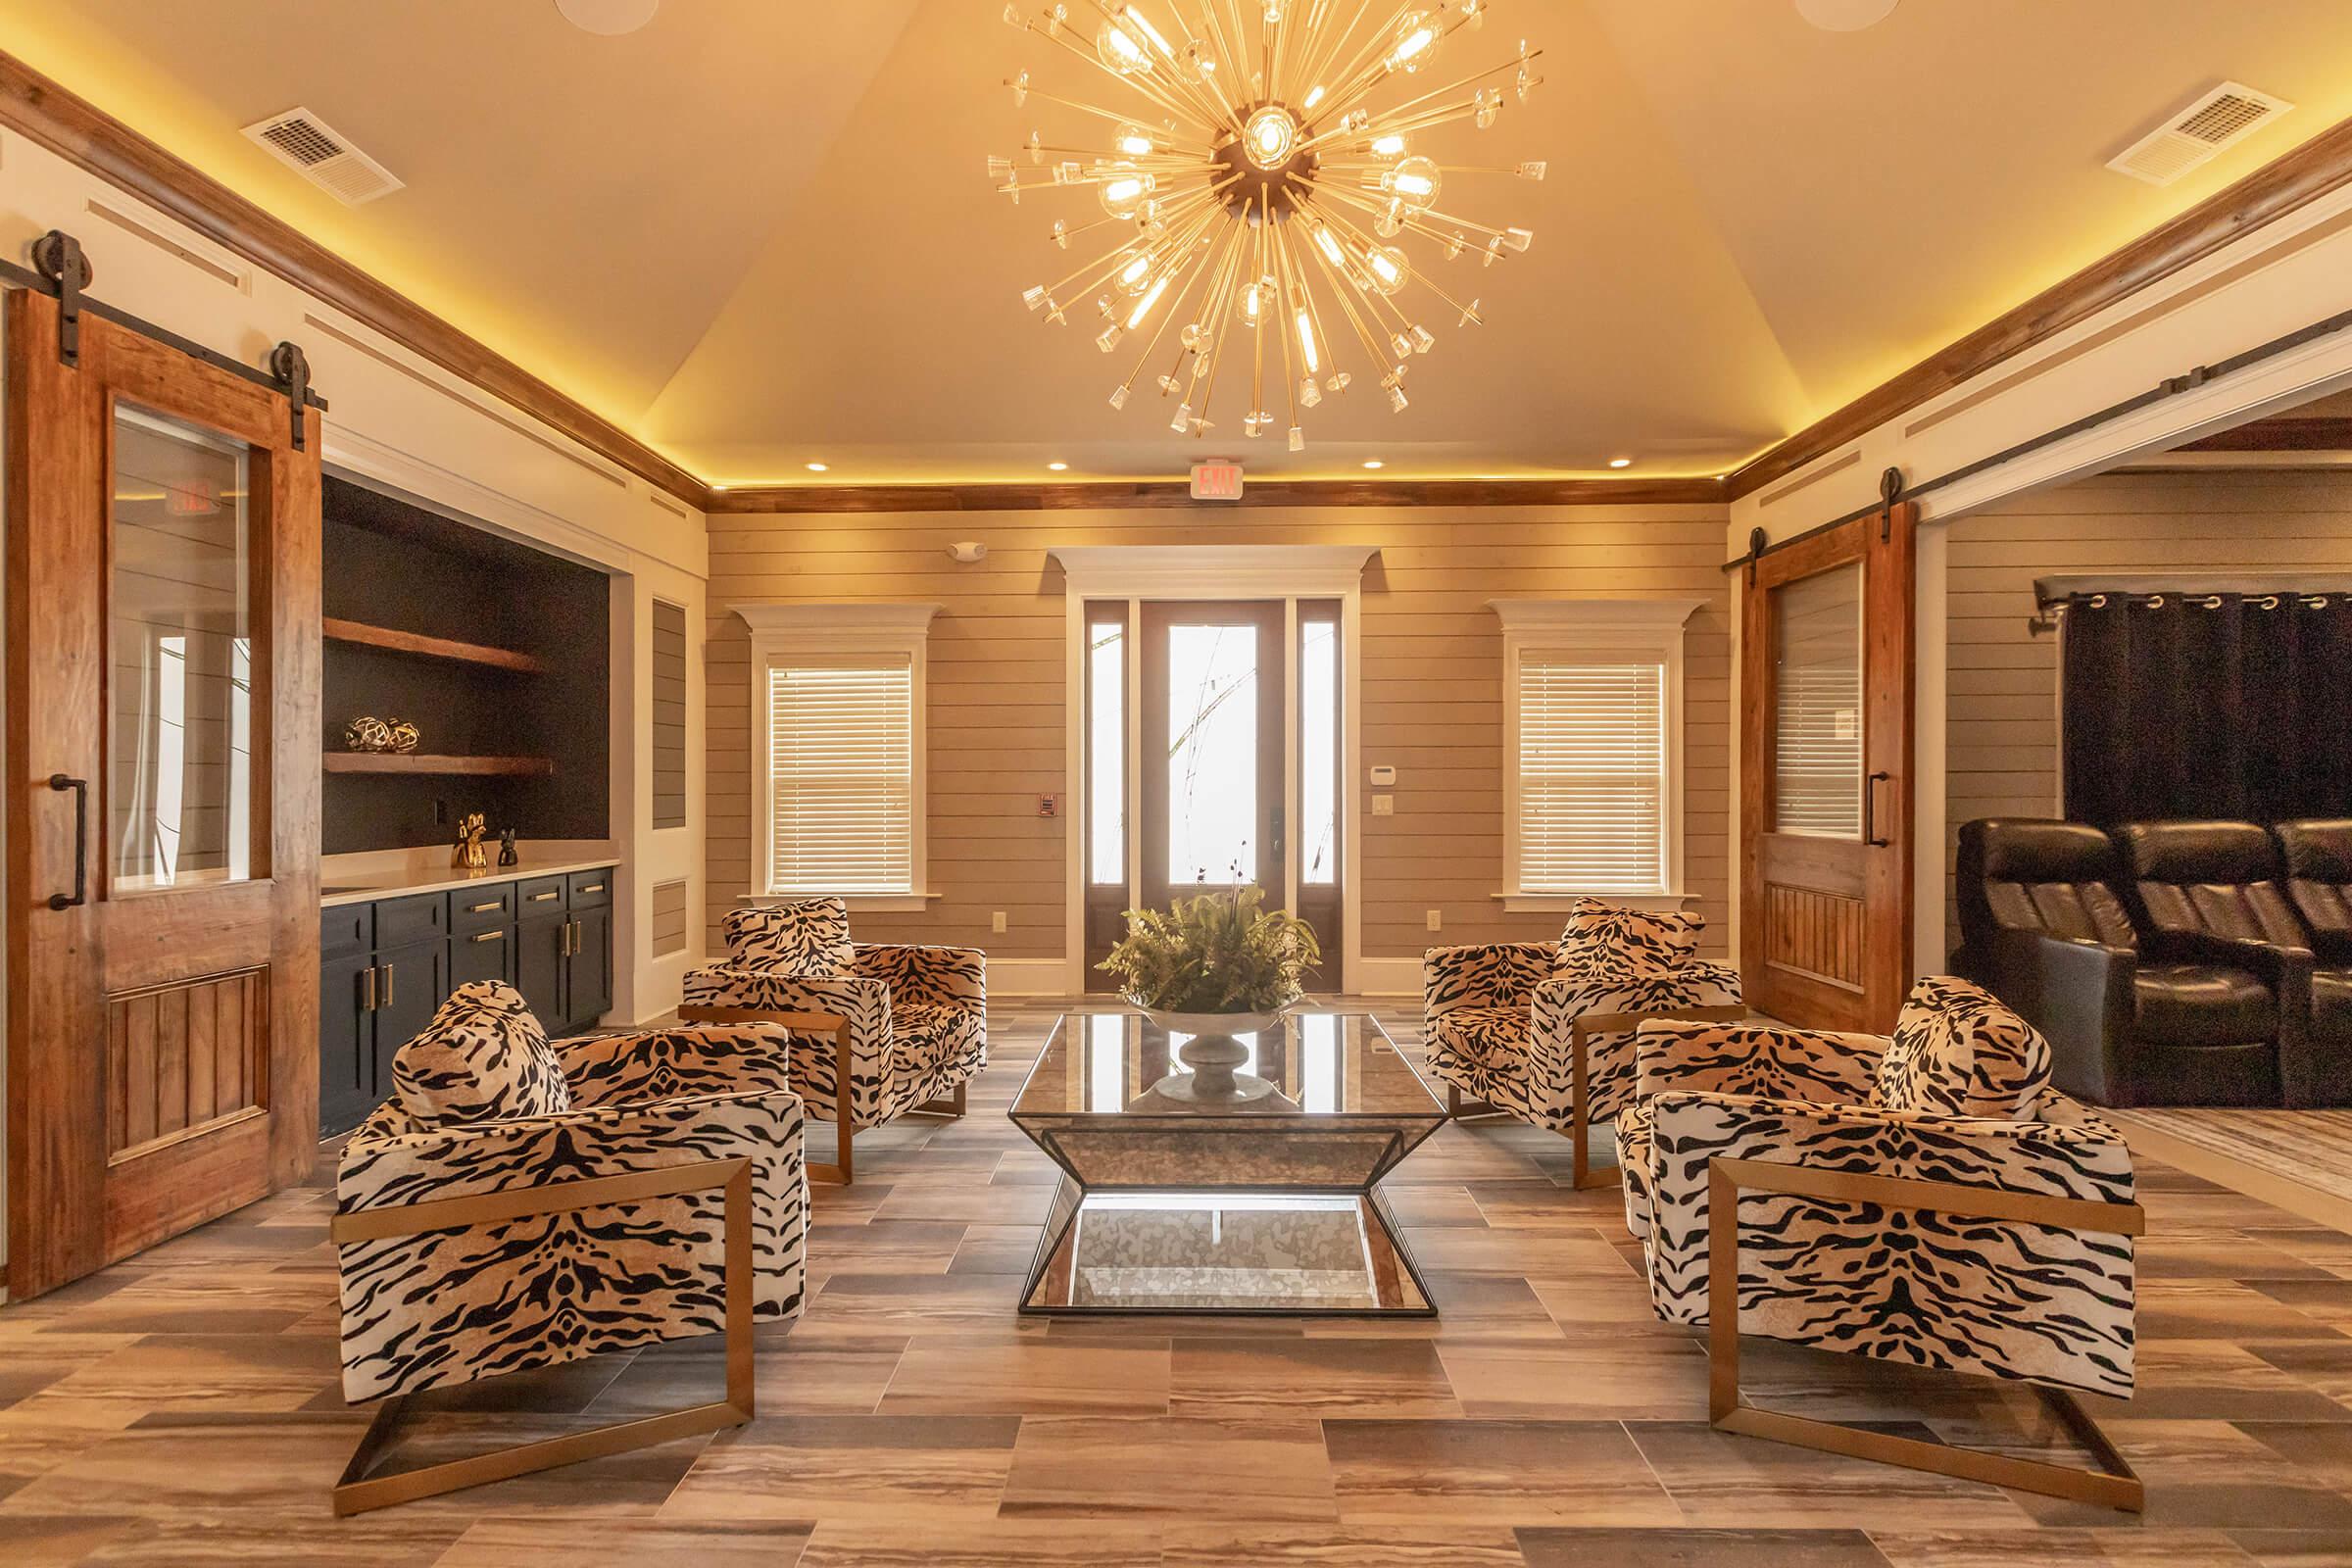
[
  {"x": 608, "y": 18},
  {"x": 1375, "y": 464},
  {"x": 816, "y": 468},
  {"x": 1621, "y": 463},
  {"x": 1844, "y": 16},
  {"x": 1058, "y": 468}
]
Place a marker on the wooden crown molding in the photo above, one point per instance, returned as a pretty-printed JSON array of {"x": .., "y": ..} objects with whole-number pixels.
[
  {"x": 2282, "y": 433},
  {"x": 2317, "y": 168},
  {"x": 83, "y": 134},
  {"x": 1177, "y": 495}
]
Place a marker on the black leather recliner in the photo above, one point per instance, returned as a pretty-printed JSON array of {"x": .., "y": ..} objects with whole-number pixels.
[
  {"x": 2161, "y": 1014},
  {"x": 2318, "y": 881},
  {"x": 2217, "y": 927}
]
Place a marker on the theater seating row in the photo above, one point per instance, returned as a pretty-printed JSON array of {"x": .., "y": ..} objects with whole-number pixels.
[{"x": 2170, "y": 963}]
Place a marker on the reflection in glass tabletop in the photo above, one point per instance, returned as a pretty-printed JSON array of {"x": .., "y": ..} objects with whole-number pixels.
[{"x": 1172, "y": 1204}]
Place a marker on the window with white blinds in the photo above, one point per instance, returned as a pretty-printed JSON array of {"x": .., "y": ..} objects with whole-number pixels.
[
  {"x": 1817, "y": 705},
  {"x": 1592, "y": 783},
  {"x": 842, "y": 774}
]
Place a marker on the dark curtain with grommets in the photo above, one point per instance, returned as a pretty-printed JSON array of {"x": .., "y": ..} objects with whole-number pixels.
[{"x": 2236, "y": 706}]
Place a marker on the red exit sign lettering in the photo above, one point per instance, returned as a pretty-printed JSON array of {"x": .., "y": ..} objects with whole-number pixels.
[{"x": 1216, "y": 482}]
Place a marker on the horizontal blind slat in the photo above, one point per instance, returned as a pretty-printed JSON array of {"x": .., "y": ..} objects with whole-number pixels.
[
  {"x": 1593, "y": 786},
  {"x": 841, "y": 776}
]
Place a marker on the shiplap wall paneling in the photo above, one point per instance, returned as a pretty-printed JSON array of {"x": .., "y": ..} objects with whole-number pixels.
[
  {"x": 1432, "y": 692},
  {"x": 670, "y": 714}
]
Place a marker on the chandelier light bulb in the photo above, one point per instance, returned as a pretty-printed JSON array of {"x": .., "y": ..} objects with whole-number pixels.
[
  {"x": 1121, "y": 51},
  {"x": 1260, "y": 162}
]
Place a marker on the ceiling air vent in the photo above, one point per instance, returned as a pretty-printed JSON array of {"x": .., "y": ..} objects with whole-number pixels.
[
  {"x": 311, "y": 147},
  {"x": 2197, "y": 133}
]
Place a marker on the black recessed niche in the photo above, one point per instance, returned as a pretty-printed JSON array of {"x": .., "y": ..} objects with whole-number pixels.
[{"x": 393, "y": 567}]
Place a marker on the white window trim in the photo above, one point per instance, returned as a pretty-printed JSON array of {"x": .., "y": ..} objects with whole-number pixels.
[
  {"x": 1594, "y": 627},
  {"x": 781, "y": 633}
]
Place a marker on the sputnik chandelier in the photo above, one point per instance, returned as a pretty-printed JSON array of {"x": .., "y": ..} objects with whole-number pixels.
[{"x": 1253, "y": 197}]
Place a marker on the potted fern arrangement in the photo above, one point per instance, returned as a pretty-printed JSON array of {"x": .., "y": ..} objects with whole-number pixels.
[{"x": 1212, "y": 966}]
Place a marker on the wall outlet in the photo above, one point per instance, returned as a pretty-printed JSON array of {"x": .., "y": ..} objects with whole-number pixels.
[
  {"x": 1436, "y": 919},
  {"x": 1384, "y": 805},
  {"x": 996, "y": 922}
]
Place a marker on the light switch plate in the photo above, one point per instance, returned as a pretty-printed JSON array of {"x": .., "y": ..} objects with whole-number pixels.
[
  {"x": 1436, "y": 919},
  {"x": 996, "y": 922},
  {"x": 1384, "y": 805}
]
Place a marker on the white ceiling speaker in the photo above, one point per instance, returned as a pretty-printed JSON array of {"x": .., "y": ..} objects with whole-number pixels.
[
  {"x": 608, "y": 18},
  {"x": 1844, "y": 16},
  {"x": 968, "y": 552}
]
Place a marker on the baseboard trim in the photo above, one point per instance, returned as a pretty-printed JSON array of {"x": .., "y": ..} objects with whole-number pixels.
[
  {"x": 1028, "y": 977},
  {"x": 1388, "y": 977}
]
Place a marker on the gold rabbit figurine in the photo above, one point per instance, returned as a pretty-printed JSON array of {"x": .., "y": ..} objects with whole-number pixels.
[{"x": 470, "y": 856}]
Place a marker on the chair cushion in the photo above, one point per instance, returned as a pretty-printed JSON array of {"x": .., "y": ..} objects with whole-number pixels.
[
  {"x": 925, "y": 1034},
  {"x": 1603, "y": 940},
  {"x": 806, "y": 937},
  {"x": 483, "y": 1058},
  {"x": 2201, "y": 1004},
  {"x": 1958, "y": 1051},
  {"x": 2331, "y": 1006},
  {"x": 2319, "y": 878},
  {"x": 1490, "y": 1035}
]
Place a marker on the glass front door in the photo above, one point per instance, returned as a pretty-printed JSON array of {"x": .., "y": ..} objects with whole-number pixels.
[{"x": 1211, "y": 746}]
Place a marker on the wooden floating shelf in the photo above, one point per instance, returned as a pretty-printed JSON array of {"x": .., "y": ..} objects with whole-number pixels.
[
  {"x": 411, "y": 642},
  {"x": 419, "y": 762}
]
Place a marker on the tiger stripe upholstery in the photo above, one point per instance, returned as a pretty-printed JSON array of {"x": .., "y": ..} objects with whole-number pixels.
[
  {"x": 455, "y": 1307},
  {"x": 2013, "y": 1300},
  {"x": 1499, "y": 1019},
  {"x": 918, "y": 1016}
]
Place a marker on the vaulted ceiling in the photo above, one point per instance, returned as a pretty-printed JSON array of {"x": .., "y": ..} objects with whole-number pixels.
[{"x": 759, "y": 235}]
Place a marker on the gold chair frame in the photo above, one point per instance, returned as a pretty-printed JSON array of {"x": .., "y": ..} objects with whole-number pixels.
[
  {"x": 2113, "y": 1484},
  {"x": 355, "y": 1492},
  {"x": 843, "y": 1171}
]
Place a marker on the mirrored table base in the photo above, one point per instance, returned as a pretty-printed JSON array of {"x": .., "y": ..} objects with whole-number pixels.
[{"x": 1112, "y": 1251}]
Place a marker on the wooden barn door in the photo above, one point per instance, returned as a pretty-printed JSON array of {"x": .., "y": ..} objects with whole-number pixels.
[
  {"x": 1826, "y": 780},
  {"x": 162, "y": 808}
]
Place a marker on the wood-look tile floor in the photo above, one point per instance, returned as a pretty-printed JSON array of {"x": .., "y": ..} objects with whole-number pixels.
[{"x": 183, "y": 1407}]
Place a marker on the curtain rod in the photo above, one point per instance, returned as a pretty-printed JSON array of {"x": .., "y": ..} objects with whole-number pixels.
[
  {"x": 2053, "y": 591},
  {"x": 1893, "y": 488}
]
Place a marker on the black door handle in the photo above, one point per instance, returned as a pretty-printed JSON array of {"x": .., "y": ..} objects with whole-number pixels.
[
  {"x": 1870, "y": 809},
  {"x": 82, "y": 841}
]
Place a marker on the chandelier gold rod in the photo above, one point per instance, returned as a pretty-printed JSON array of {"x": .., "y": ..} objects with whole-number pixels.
[
  {"x": 1116, "y": 116},
  {"x": 1345, "y": 99},
  {"x": 1381, "y": 305},
  {"x": 1136, "y": 82},
  {"x": 1328, "y": 54},
  {"x": 1363, "y": 69},
  {"x": 1217, "y": 113},
  {"x": 1193, "y": 41},
  {"x": 1290, "y": 369},
  {"x": 1104, "y": 268},
  {"x": 1208, "y": 277},
  {"x": 1315, "y": 311},
  {"x": 1229, "y": 59},
  {"x": 1257, "y": 347},
  {"x": 1341, "y": 289},
  {"x": 1191, "y": 267},
  {"x": 1224, "y": 316},
  {"x": 1417, "y": 222},
  {"x": 1392, "y": 112}
]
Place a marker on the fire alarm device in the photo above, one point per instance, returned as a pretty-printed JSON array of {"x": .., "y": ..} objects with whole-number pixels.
[
  {"x": 1047, "y": 805},
  {"x": 1217, "y": 479}
]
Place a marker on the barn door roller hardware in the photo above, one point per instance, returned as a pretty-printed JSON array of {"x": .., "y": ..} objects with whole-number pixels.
[{"x": 58, "y": 256}]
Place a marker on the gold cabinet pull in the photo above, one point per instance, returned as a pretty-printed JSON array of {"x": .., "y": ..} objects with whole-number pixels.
[
  {"x": 485, "y": 908},
  {"x": 594, "y": 887},
  {"x": 367, "y": 990},
  {"x": 388, "y": 971},
  {"x": 551, "y": 893},
  {"x": 490, "y": 936}
]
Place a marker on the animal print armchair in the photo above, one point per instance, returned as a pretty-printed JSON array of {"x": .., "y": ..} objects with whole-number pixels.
[
  {"x": 1925, "y": 1199},
  {"x": 1544, "y": 1031},
  {"x": 906, "y": 1027},
  {"x": 519, "y": 1203}
]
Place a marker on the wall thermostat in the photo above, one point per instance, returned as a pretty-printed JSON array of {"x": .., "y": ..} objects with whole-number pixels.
[{"x": 1383, "y": 777}]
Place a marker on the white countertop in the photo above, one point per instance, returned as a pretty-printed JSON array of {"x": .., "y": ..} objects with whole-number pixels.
[{"x": 401, "y": 884}]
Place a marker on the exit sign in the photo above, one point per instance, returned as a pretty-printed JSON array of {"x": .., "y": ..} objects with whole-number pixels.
[{"x": 1216, "y": 482}]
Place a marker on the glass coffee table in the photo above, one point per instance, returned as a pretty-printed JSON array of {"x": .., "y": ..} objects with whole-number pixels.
[{"x": 1170, "y": 1205}]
